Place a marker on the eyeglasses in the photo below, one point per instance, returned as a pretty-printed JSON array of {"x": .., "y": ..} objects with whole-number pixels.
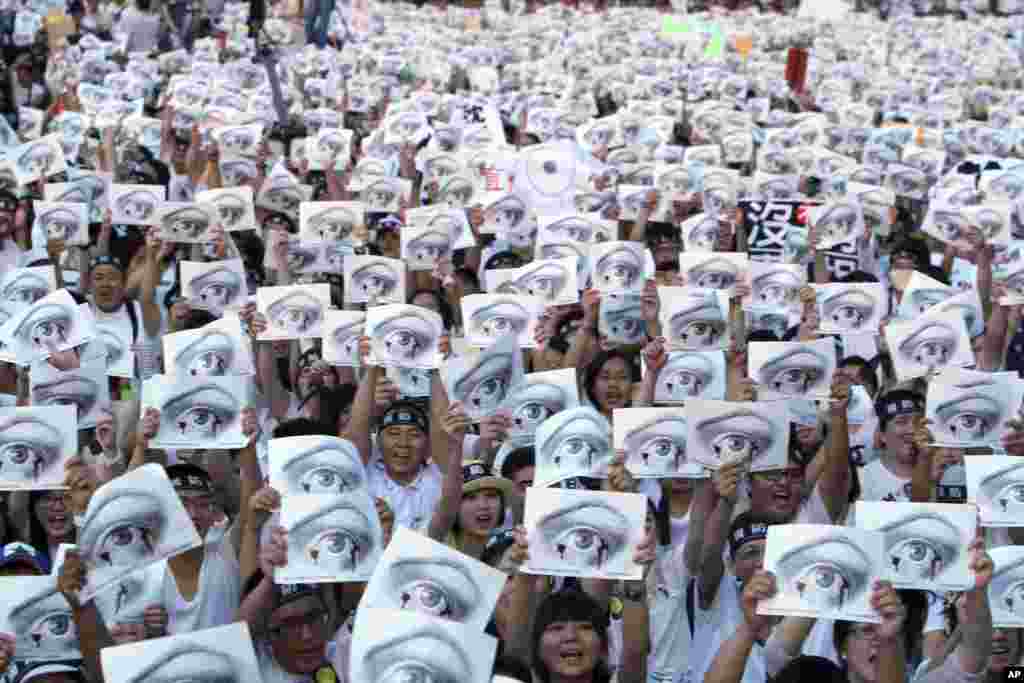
[
  {"x": 776, "y": 476},
  {"x": 316, "y": 621}
]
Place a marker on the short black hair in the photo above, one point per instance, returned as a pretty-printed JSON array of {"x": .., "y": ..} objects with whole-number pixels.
[
  {"x": 511, "y": 667},
  {"x": 568, "y": 605},
  {"x": 866, "y": 370},
  {"x": 517, "y": 459},
  {"x": 303, "y": 426}
]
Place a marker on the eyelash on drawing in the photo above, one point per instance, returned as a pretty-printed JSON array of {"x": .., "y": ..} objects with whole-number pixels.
[
  {"x": 921, "y": 547},
  {"x": 827, "y": 573},
  {"x": 200, "y": 414},
  {"x": 331, "y": 466},
  {"x": 211, "y": 354}
]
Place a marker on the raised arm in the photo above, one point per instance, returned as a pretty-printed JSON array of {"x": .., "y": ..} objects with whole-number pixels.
[
  {"x": 361, "y": 422},
  {"x": 712, "y": 566},
  {"x": 730, "y": 661},
  {"x": 456, "y": 424},
  {"x": 151, "y": 316},
  {"x": 834, "y": 482}
]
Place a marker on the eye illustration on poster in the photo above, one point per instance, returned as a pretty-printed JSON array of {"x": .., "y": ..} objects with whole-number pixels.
[
  {"x": 315, "y": 465},
  {"x": 583, "y": 533},
  {"x": 25, "y": 286},
  {"x": 374, "y": 279},
  {"x": 850, "y": 309},
  {"x": 136, "y": 204},
  {"x": 694, "y": 319},
  {"x": 38, "y": 159},
  {"x": 620, "y": 318},
  {"x": 546, "y": 175},
  {"x": 53, "y": 323},
  {"x": 722, "y": 271},
  {"x": 385, "y": 194},
  {"x": 64, "y": 221},
  {"x": 421, "y": 575},
  {"x": 996, "y": 484},
  {"x": 721, "y": 191},
  {"x": 198, "y": 412},
  {"x": 537, "y": 397},
  {"x": 489, "y": 317},
  {"x": 390, "y": 644},
  {"x": 926, "y": 544},
  {"x": 433, "y": 233},
  {"x": 654, "y": 440},
  {"x": 920, "y": 294},
  {"x": 707, "y": 155},
  {"x": 330, "y": 221},
  {"x": 342, "y": 332},
  {"x": 792, "y": 369},
  {"x": 837, "y": 222},
  {"x": 1006, "y": 590},
  {"x": 823, "y": 571},
  {"x": 972, "y": 416},
  {"x": 678, "y": 181},
  {"x": 293, "y": 312},
  {"x": 483, "y": 382},
  {"x": 223, "y": 654},
  {"x": 404, "y": 336},
  {"x": 573, "y": 443},
  {"x": 700, "y": 233},
  {"x": 39, "y": 617},
  {"x": 930, "y": 342},
  {"x": 186, "y": 222},
  {"x": 214, "y": 287},
  {"x": 35, "y": 442},
  {"x": 235, "y": 206},
  {"x": 905, "y": 181},
  {"x": 330, "y": 149},
  {"x": 86, "y": 389},
  {"x": 131, "y": 522},
  {"x": 620, "y": 267},
  {"x": 775, "y": 286},
  {"x": 770, "y": 186},
  {"x": 721, "y": 432},
  {"x": 554, "y": 281},
  {"x": 331, "y": 538},
  {"x": 691, "y": 374},
  {"x": 214, "y": 350}
]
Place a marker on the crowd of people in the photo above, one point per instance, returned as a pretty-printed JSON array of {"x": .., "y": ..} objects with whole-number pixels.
[{"x": 136, "y": 94}]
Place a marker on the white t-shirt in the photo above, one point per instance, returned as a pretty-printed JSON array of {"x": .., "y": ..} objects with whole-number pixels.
[
  {"x": 878, "y": 483},
  {"x": 412, "y": 505},
  {"x": 273, "y": 673},
  {"x": 220, "y": 589},
  {"x": 669, "y": 659}
]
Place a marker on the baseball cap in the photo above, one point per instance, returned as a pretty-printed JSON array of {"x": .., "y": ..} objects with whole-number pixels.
[
  {"x": 744, "y": 529},
  {"x": 106, "y": 260},
  {"x": 476, "y": 476},
  {"x": 21, "y": 554}
]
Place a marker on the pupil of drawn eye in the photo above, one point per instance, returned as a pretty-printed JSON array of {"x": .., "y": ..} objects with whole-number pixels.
[
  {"x": 918, "y": 551},
  {"x": 123, "y": 536},
  {"x": 337, "y": 542},
  {"x": 825, "y": 577},
  {"x": 19, "y": 454},
  {"x": 583, "y": 539}
]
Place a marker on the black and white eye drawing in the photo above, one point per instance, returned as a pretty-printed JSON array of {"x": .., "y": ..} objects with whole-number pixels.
[
  {"x": 376, "y": 280},
  {"x": 796, "y": 372},
  {"x": 237, "y": 172},
  {"x": 715, "y": 273},
  {"x": 698, "y": 324},
  {"x": 507, "y": 215},
  {"x": 738, "y": 434},
  {"x": 825, "y": 573},
  {"x": 483, "y": 384},
  {"x": 404, "y": 336},
  {"x": 47, "y": 327},
  {"x": 776, "y": 287},
  {"x": 441, "y": 166},
  {"x": 69, "y": 389},
  {"x": 618, "y": 267},
  {"x": 185, "y": 224},
  {"x": 330, "y": 538},
  {"x": 676, "y": 181},
  {"x": 576, "y": 442},
  {"x": 1000, "y": 492},
  {"x": 191, "y": 662},
  {"x": 620, "y": 318},
  {"x": 37, "y": 160},
  {"x": 25, "y": 286},
  {"x": 848, "y": 310},
  {"x": 701, "y": 232},
  {"x": 427, "y": 247},
  {"x": 545, "y": 279},
  {"x": 533, "y": 402},
  {"x": 657, "y": 445},
  {"x": 40, "y": 619},
  {"x": 948, "y": 224},
  {"x": 906, "y": 181},
  {"x": 576, "y": 229},
  {"x": 923, "y": 299},
  {"x": 778, "y": 187},
  {"x": 60, "y": 222},
  {"x": 116, "y": 347},
  {"x": 341, "y": 345},
  {"x": 237, "y": 140},
  {"x": 217, "y": 287},
  {"x": 297, "y": 313},
  {"x": 335, "y": 223},
  {"x": 719, "y": 194},
  {"x": 921, "y": 547},
  {"x": 333, "y": 144},
  {"x": 301, "y": 258},
  {"x": 232, "y": 209},
  {"x": 200, "y": 415},
  {"x": 708, "y": 155},
  {"x": 496, "y": 317},
  {"x": 970, "y": 418},
  {"x": 932, "y": 346},
  {"x": 384, "y": 194},
  {"x": 123, "y": 529},
  {"x": 549, "y": 170},
  {"x": 991, "y": 222},
  {"x": 33, "y": 445},
  {"x": 1006, "y": 591},
  {"x": 211, "y": 354},
  {"x": 315, "y": 465},
  {"x": 283, "y": 196},
  {"x": 1008, "y": 186},
  {"x": 136, "y": 206},
  {"x": 687, "y": 375},
  {"x": 391, "y": 645},
  {"x": 456, "y": 192},
  {"x": 839, "y": 222}
]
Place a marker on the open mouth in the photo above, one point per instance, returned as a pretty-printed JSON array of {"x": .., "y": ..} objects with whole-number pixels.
[{"x": 572, "y": 656}]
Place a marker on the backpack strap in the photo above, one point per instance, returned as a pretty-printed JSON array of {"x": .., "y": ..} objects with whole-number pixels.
[
  {"x": 134, "y": 318},
  {"x": 691, "y": 605}
]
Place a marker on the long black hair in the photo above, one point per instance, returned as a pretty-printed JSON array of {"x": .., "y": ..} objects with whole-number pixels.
[
  {"x": 569, "y": 605},
  {"x": 596, "y": 365}
]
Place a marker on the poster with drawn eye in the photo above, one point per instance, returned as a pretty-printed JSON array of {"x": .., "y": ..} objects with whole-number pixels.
[
  {"x": 342, "y": 332},
  {"x": 931, "y": 342},
  {"x": 690, "y": 374},
  {"x": 584, "y": 533},
  {"x": 132, "y": 522},
  {"x": 331, "y": 539},
  {"x": 926, "y": 544},
  {"x": 35, "y": 442},
  {"x": 574, "y": 443},
  {"x": 785, "y": 370},
  {"x": 216, "y": 287},
  {"x": 418, "y": 574},
  {"x": 56, "y": 221},
  {"x": 235, "y": 206},
  {"x": 620, "y": 267},
  {"x": 722, "y": 432},
  {"x": 654, "y": 440},
  {"x": 694, "y": 319},
  {"x": 393, "y": 642},
  {"x": 404, "y": 336},
  {"x": 315, "y": 465},
  {"x": 374, "y": 280},
  {"x": 482, "y": 382},
  {"x": 293, "y": 311},
  {"x": 721, "y": 270},
  {"x": 53, "y": 323},
  {"x": 86, "y": 389},
  {"x": 537, "y": 397},
  {"x": 38, "y": 159},
  {"x": 216, "y": 349},
  {"x": 224, "y": 653},
  {"x": 775, "y": 287},
  {"x": 25, "y": 286},
  {"x": 995, "y": 483},
  {"x": 972, "y": 416},
  {"x": 823, "y": 571},
  {"x": 1006, "y": 590},
  {"x": 136, "y": 204},
  {"x": 489, "y": 317},
  {"x": 198, "y": 412},
  {"x": 39, "y": 617},
  {"x": 777, "y": 233},
  {"x": 850, "y": 308}
]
